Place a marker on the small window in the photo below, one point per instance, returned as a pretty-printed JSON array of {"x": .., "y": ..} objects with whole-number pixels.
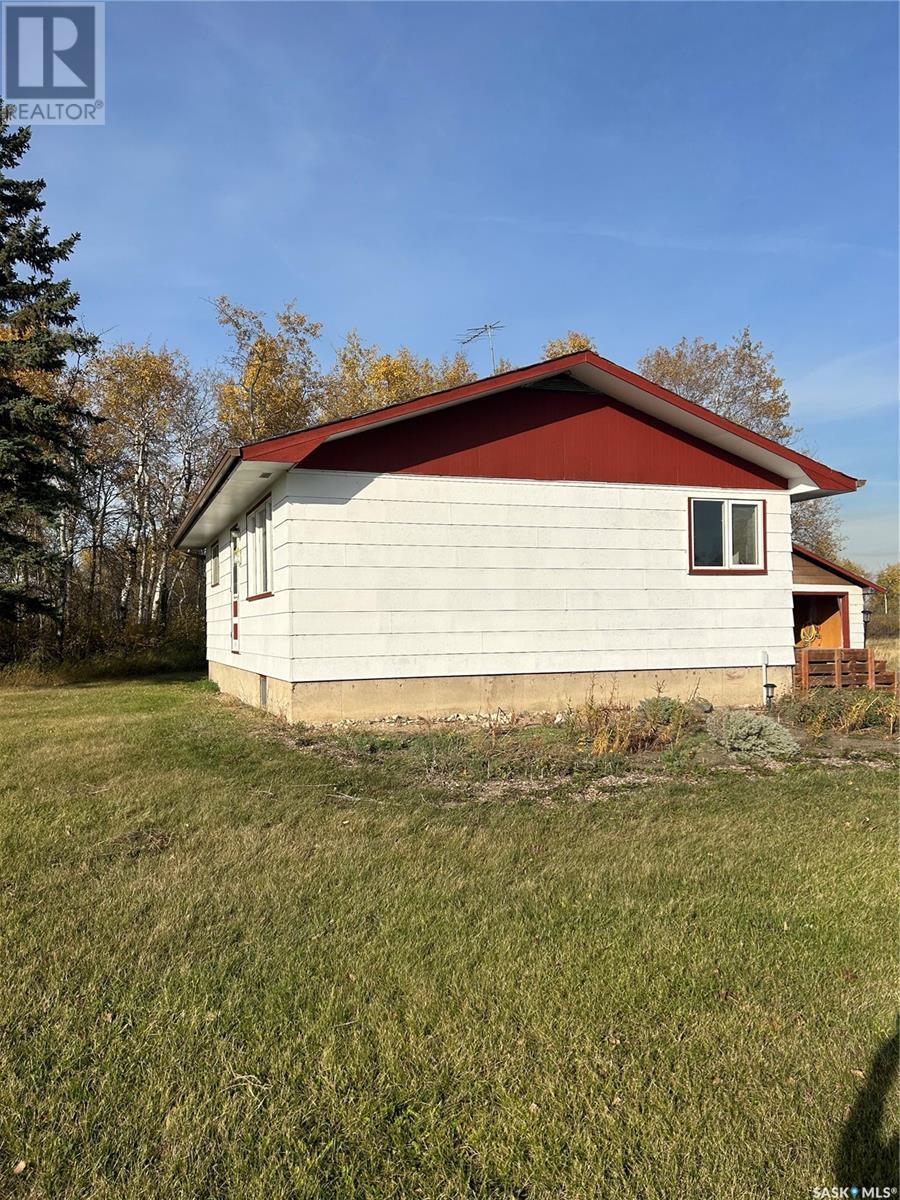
[
  {"x": 259, "y": 545},
  {"x": 727, "y": 535},
  {"x": 214, "y": 565},
  {"x": 744, "y": 535},
  {"x": 709, "y": 533}
]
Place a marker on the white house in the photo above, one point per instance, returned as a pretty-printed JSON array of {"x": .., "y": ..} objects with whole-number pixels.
[{"x": 513, "y": 543}]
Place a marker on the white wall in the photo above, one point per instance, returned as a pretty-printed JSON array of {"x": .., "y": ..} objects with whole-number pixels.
[
  {"x": 264, "y": 625},
  {"x": 401, "y": 575}
]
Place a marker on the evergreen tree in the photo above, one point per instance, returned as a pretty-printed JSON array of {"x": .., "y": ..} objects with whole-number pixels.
[{"x": 42, "y": 426}]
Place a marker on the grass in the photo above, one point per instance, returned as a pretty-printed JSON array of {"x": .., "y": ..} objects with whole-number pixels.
[
  {"x": 246, "y": 962},
  {"x": 887, "y": 648}
]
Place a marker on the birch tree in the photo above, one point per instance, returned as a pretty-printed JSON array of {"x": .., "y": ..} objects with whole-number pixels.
[
  {"x": 273, "y": 384},
  {"x": 153, "y": 444}
]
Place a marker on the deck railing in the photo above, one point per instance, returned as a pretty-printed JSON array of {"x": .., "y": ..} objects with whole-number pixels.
[{"x": 837, "y": 669}]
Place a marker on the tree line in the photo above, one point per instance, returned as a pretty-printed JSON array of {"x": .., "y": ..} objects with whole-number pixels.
[{"x": 104, "y": 448}]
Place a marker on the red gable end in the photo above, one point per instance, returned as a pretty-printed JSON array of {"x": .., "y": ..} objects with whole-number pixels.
[
  {"x": 576, "y": 417},
  {"x": 538, "y": 434}
]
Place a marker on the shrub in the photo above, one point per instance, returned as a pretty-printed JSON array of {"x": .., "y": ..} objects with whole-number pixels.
[
  {"x": 664, "y": 710},
  {"x": 842, "y": 709},
  {"x": 660, "y": 710},
  {"x": 614, "y": 729},
  {"x": 750, "y": 733},
  {"x": 153, "y": 659},
  {"x": 626, "y": 731}
]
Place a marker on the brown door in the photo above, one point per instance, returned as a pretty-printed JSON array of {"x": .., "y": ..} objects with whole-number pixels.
[{"x": 823, "y": 613}]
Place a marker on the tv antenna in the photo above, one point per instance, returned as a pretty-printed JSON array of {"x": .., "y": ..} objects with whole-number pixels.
[{"x": 479, "y": 331}]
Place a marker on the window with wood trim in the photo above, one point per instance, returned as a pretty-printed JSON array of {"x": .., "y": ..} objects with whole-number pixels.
[
  {"x": 259, "y": 549},
  {"x": 214, "y": 565},
  {"x": 727, "y": 536}
]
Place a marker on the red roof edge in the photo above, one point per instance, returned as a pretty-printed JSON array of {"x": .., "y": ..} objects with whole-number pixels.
[
  {"x": 823, "y": 476},
  {"x": 836, "y": 568},
  {"x": 295, "y": 446},
  {"x": 316, "y": 434}
]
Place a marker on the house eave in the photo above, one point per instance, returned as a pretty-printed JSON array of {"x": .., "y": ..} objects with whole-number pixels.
[
  {"x": 230, "y": 490},
  {"x": 805, "y": 478}
]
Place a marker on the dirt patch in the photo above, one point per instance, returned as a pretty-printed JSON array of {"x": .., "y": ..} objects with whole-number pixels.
[
  {"x": 138, "y": 842},
  {"x": 548, "y": 758}
]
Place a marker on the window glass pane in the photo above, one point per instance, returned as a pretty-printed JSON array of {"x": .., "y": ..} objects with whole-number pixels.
[
  {"x": 259, "y": 542},
  {"x": 257, "y": 570},
  {"x": 744, "y": 538},
  {"x": 708, "y": 533},
  {"x": 263, "y": 552},
  {"x": 270, "y": 573}
]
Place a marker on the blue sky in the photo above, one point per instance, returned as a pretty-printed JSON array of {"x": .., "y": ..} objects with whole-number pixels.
[{"x": 639, "y": 171}]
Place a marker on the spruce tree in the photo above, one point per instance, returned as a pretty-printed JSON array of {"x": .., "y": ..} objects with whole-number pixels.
[{"x": 42, "y": 429}]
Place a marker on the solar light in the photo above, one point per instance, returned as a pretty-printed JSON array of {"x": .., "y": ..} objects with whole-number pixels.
[{"x": 770, "y": 693}]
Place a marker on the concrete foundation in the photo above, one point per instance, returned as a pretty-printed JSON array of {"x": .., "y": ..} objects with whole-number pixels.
[
  {"x": 248, "y": 688},
  {"x": 374, "y": 699}
]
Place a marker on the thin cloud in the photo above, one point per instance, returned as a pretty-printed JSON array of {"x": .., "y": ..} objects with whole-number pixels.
[
  {"x": 730, "y": 243},
  {"x": 871, "y": 539},
  {"x": 847, "y": 385}
]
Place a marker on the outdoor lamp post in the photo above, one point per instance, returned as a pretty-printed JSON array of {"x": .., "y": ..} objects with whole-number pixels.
[{"x": 868, "y": 598}]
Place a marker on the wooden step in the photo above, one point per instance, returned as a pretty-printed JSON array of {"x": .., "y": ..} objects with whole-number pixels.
[
  {"x": 886, "y": 682},
  {"x": 881, "y": 684}
]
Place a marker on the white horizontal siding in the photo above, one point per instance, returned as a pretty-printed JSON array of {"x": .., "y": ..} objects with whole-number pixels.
[
  {"x": 218, "y": 604},
  {"x": 454, "y": 570},
  {"x": 338, "y": 488},
  {"x": 399, "y": 643},
  {"x": 264, "y": 625},
  {"x": 857, "y": 627},
  {"x": 403, "y": 576},
  {"x": 330, "y": 622}
]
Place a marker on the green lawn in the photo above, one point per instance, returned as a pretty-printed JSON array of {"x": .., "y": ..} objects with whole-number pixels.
[{"x": 242, "y": 964}]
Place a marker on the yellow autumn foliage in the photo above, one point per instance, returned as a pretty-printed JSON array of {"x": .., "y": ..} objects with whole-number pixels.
[
  {"x": 364, "y": 378},
  {"x": 570, "y": 344},
  {"x": 275, "y": 383}
]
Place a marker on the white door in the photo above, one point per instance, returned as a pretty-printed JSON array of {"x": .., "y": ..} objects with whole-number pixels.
[{"x": 235, "y": 564}]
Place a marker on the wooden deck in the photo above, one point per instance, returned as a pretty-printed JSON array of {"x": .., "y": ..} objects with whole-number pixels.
[{"x": 841, "y": 669}]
